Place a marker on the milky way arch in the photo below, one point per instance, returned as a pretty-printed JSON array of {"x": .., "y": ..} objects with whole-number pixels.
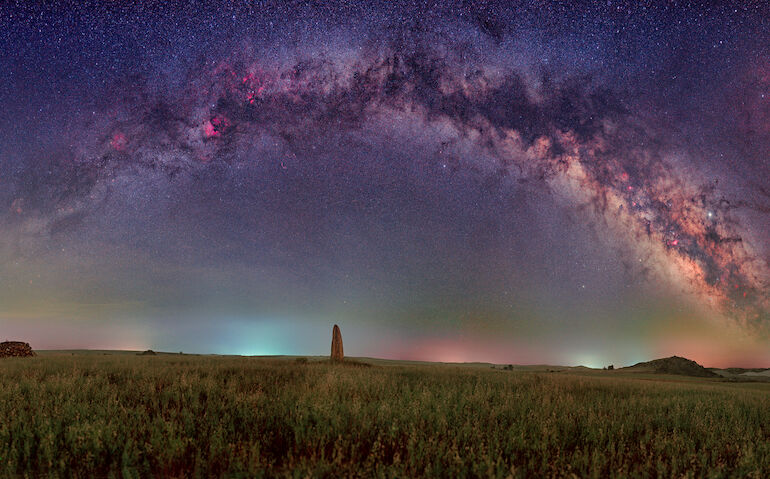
[{"x": 570, "y": 135}]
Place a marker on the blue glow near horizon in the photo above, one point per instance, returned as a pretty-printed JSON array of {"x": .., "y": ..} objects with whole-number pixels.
[{"x": 272, "y": 336}]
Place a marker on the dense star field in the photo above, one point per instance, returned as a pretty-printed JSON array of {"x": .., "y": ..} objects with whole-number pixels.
[{"x": 576, "y": 183}]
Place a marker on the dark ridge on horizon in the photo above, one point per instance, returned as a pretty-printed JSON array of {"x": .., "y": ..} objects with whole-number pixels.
[{"x": 673, "y": 365}]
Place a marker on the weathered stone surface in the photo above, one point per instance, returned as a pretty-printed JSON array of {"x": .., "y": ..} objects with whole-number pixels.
[
  {"x": 17, "y": 349},
  {"x": 337, "y": 352}
]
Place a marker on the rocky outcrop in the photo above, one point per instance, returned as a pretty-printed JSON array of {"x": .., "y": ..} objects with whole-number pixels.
[
  {"x": 337, "y": 352},
  {"x": 15, "y": 349},
  {"x": 672, "y": 365},
  {"x": 149, "y": 352}
]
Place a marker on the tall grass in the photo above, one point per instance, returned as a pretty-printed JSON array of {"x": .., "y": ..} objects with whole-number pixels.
[{"x": 180, "y": 416}]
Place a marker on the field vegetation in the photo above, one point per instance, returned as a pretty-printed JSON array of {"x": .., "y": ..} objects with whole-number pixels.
[{"x": 102, "y": 415}]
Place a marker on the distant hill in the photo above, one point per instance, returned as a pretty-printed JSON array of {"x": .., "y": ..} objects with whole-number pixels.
[
  {"x": 744, "y": 374},
  {"x": 740, "y": 370},
  {"x": 672, "y": 365}
]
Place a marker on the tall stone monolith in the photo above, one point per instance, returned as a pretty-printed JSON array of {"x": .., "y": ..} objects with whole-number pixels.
[{"x": 337, "y": 354}]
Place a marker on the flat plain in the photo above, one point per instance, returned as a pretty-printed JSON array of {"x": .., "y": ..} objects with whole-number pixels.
[{"x": 110, "y": 414}]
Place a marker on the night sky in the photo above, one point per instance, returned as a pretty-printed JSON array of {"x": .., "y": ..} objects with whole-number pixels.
[{"x": 514, "y": 182}]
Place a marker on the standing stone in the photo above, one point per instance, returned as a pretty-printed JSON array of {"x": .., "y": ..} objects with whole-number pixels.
[{"x": 337, "y": 354}]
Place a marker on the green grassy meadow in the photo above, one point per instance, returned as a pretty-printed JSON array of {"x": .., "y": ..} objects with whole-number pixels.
[{"x": 122, "y": 415}]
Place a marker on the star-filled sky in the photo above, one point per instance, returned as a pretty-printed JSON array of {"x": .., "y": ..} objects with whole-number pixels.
[{"x": 514, "y": 182}]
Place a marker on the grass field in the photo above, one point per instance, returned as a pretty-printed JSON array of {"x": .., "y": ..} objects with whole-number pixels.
[{"x": 86, "y": 415}]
